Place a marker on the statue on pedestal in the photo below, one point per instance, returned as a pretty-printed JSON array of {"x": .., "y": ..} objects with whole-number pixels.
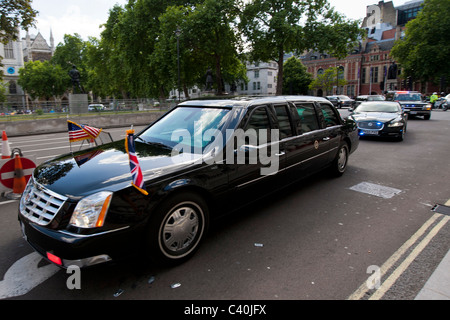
[{"x": 76, "y": 82}]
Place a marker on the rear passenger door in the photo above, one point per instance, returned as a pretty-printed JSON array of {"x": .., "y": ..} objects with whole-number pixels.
[
  {"x": 332, "y": 127},
  {"x": 309, "y": 149}
]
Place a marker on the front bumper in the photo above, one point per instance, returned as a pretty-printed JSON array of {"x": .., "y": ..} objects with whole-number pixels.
[
  {"x": 67, "y": 249},
  {"x": 385, "y": 132}
]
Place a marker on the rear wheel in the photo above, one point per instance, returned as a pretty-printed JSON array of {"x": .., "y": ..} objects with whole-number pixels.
[
  {"x": 177, "y": 228},
  {"x": 339, "y": 164}
]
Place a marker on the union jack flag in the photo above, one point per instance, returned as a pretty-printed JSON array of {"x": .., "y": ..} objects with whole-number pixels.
[
  {"x": 136, "y": 171},
  {"x": 78, "y": 132}
]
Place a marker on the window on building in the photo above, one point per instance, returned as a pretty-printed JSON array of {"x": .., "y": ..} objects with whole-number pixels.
[
  {"x": 12, "y": 87},
  {"x": 9, "y": 51},
  {"x": 374, "y": 75},
  {"x": 256, "y": 74},
  {"x": 363, "y": 75}
]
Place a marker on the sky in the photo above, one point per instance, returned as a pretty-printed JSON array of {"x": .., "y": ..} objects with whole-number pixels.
[{"x": 85, "y": 16}]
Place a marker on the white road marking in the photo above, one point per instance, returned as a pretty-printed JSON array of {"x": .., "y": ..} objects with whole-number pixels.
[
  {"x": 24, "y": 275},
  {"x": 376, "y": 190}
]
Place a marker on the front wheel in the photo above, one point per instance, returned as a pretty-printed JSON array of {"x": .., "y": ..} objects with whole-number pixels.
[
  {"x": 177, "y": 228},
  {"x": 339, "y": 164}
]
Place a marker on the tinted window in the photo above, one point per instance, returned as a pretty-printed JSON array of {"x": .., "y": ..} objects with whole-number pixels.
[
  {"x": 308, "y": 119},
  {"x": 329, "y": 116},
  {"x": 283, "y": 121},
  {"x": 258, "y": 120}
]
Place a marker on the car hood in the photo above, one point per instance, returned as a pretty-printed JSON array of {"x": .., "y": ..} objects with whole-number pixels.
[
  {"x": 378, "y": 116},
  {"x": 107, "y": 167}
]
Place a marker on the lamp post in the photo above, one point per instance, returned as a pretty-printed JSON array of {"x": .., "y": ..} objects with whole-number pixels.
[{"x": 177, "y": 33}]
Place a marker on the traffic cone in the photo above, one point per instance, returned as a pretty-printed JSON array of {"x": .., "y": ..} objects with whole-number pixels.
[
  {"x": 6, "y": 151},
  {"x": 19, "y": 177}
]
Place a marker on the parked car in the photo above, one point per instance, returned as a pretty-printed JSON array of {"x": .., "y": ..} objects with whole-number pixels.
[
  {"x": 346, "y": 101},
  {"x": 335, "y": 101},
  {"x": 201, "y": 160},
  {"x": 380, "y": 119},
  {"x": 96, "y": 107},
  {"x": 365, "y": 98}
]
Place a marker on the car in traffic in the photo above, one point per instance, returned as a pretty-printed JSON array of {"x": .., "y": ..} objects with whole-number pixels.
[
  {"x": 199, "y": 161},
  {"x": 346, "y": 101},
  {"x": 380, "y": 119},
  {"x": 411, "y": 102},
  {"x": 364, "y": 98},
  {"x": 335, "y": 101}
]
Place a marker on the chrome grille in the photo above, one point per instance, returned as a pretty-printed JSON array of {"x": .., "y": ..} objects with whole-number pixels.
[
  {"x": 373, "y": 125},
  {"x": 40, "y": 205}
]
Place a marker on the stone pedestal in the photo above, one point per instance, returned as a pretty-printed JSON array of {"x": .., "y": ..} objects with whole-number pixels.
[{"x": 78, "y": 103}]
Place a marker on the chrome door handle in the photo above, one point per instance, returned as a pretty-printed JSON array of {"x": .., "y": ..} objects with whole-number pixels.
[
  {"x": 326, "y": 139},
  {"x": 282, "y": 153}
]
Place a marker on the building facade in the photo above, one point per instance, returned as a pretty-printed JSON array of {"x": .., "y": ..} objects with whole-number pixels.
[
  {"x": 15, "y": 54},
  {"x": 369, "y": 68},
  {"x": 12, "y": 61}
]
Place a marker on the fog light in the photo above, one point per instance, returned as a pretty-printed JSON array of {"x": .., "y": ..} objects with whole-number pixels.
[{"x": 54, "y": 259}]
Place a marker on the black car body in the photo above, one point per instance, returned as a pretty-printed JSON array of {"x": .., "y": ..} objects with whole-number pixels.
[
  {"x": 346, "y": 101},
  {"x": 411, "y": 102},
  {"x": 380, "y": 119},
  {"x": 87, "y": 212},
  {"x": 335, "y": 101}
]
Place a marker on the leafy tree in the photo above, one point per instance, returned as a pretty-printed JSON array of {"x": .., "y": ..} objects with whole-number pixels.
[
  {"x": 15, "y": 14},
  {"x": 2, "y": 91},
  {"x": 326, "y": 81},
  {"x": 424, "y": 52},
  {"x": 274, "y": 27},
  {"x": 296, "y": 78},
  {"x": 207, "y": 40},
  {"x": 43, "y": 79}
]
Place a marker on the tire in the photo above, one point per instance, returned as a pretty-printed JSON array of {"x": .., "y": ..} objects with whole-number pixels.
[
  {"x": 177, "y": 228},
  {"x": 339, "y": 164},
  {"x": 427, "y": 117}
]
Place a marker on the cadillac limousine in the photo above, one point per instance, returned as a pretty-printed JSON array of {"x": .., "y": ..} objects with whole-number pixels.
[{"x": 200, "y": 160}]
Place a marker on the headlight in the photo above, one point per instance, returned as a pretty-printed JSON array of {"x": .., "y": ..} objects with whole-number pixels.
[
  {"x": 91, "y": 211},
  {"x": 428, "y": 107},
  {"x": 395, "y": 124}
]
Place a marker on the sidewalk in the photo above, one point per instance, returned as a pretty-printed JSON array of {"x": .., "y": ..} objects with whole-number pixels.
[{"x": 438, "y": 286}]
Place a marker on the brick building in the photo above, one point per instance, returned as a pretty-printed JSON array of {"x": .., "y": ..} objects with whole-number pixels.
[{"x": 369, "y": 69}]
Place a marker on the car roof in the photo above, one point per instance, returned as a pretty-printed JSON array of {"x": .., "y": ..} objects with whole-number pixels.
[
  {"x": 248, "y": 101},
  {"x": 384, "y": 102}
]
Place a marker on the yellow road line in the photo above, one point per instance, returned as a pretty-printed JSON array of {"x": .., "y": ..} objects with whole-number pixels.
[
  {"x": 363, "y": 289},
  {"x": 409, "y": 259}
]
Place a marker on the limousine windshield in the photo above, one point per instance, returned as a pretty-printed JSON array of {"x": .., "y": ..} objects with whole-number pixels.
[{"x": 186, "y": 126}]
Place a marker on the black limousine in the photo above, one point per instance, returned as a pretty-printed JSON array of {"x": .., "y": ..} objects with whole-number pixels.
[{"x": 200, "y": 160}]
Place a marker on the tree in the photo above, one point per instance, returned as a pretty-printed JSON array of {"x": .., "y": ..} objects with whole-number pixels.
[
  {"x": 71, "y": 52},
  {"x": 43, "y": 79},
  {"x": 424, "y": 52},
  {"x": 275, "y": 27},
  {"x": 326, "y": 81},
  {"x": 296, "y": 78},
  {"x": 15, "y": 14}
]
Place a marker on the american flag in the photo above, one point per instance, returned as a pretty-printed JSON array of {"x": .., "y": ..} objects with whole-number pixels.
[
  {"x": 79, "y": 132},
  {"x": 136, "y": 171}
]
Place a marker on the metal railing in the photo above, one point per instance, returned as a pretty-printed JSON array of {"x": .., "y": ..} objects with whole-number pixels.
[{"x": 55, "y": 109}]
